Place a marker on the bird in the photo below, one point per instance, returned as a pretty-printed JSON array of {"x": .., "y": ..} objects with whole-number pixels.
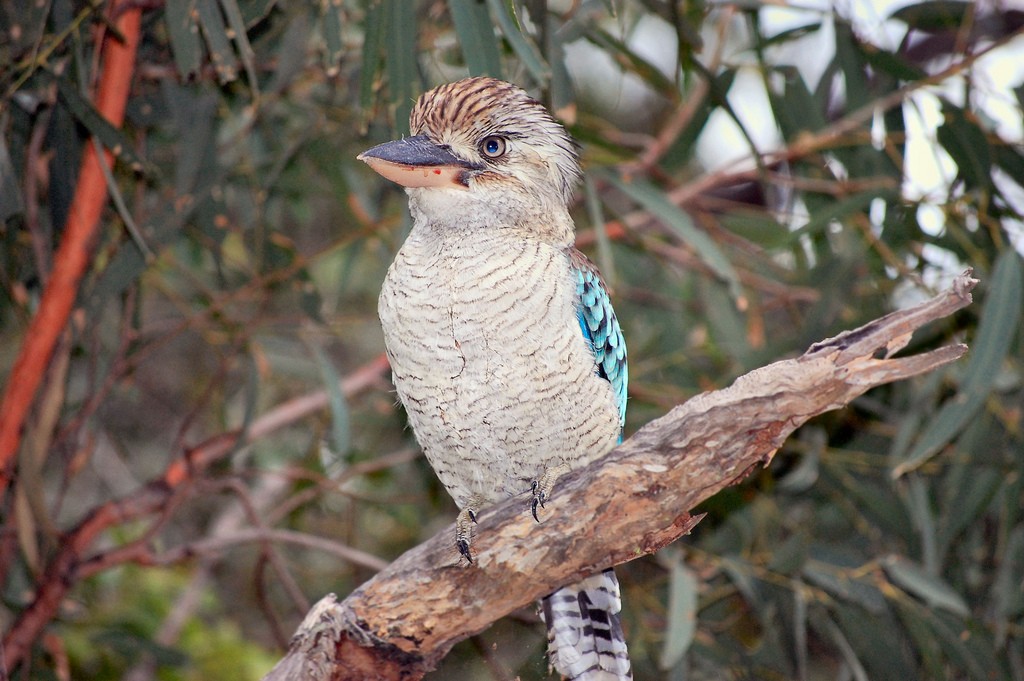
[{"x": 504, "y": 347}]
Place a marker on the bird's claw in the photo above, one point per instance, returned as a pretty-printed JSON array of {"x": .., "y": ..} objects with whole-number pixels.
[
  {"x": 464, "y": 532},
  {"x": 539, "y": 497},
  {"x": 463, "y": 546},
  {"x": 542, "y": 487}
]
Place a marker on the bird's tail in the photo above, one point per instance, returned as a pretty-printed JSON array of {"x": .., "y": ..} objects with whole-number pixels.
[{"x": 585, "y": 641}]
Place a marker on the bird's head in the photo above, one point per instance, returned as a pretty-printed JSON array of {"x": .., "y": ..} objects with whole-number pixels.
[{"x": 481, "y": 144}]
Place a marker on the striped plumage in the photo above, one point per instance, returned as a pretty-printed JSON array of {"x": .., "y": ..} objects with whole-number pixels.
[
  {"x": 504, "y": 347},
  {"x": 585, "y": 639}
]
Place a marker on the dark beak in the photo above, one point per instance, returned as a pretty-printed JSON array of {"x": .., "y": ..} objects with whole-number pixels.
[{"x": 418, "y": 162}]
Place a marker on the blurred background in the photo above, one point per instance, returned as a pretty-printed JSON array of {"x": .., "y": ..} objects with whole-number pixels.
[{"x": 760, "y": 176}]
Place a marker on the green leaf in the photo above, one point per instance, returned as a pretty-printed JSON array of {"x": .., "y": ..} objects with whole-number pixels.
[
  {"x": 184, "y": 34},
  {"x": 374, "y": 29},
  {"x": 1000, "y": 320},
  {"x": 592, "y": 201},
  {"x": 740, "y": 574},
  {"x": 971, "y": 488},
  {"x": 682, "y": 613},
  {"x": 653, "y": 200},
  {"x": 504, "y": 13},
  {"x": 934, "y": 15},
  {"x": 726, "y": 322},
  {"x": 510, "y": 6},
  {"x": 250, "y": 395},
  {"x": 341, "y": 428},
  {"x": 194, "y": 121},
  {"x": 631, "y": 62},
  {"x": 1011, "y": 161},
  {"x": 332, "y": 27},
  {"x": 475, "y": 32},
  {"x": 796, "y": 110},
  {"x": 837, "y": 211},
  {"x": 892, "y": 64},
  {"x": 967, "y": 145},
  {"x": 10, "y": 191},
  {"x": 1007, "y": 594},
  {"x": 896, "y": 139},
  {"x": 913, "y": 618},
  {"x": 875, "y": 502},
  {"x": 239, "y": 34},
  {"x": 790, "y": 34},
  {"x": 876, "y": 641},
  {"x": 848, "y": 58},
  {"x": 560, "y": 88},
  {"x": 919, "y": 503},
  {"x": 402, "y": 69},
  {"x": 789, "y": 556},
  {"x": 681, "y": 150},
  {"x": 802, "y": 477},
  {"x": 837, "y": 581},
  {"x": 290, "y": 54},
  {"x": 310, "y": 300},
  {"x": 830, "y": 631},
  {"x": 719, "y": 98},
  {"x": 122, "y": 270},
  {"x": 112, "y": 139},
  {"x": 800, "y": 624},
  {"x": 128, "y": 263},
  {"x": 121, "y": 640},
  {"x": 926, "y": 586},
  {"x": 216, "y": 33},
  {"x": 961, "y": 645},
  {"x": 255, "y": 11}
]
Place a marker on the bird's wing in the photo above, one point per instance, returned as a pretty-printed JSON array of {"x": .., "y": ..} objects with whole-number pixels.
[{"x": 600, "y": 327}]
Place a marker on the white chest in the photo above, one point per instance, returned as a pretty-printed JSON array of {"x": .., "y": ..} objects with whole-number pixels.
[{"x": 489, "y": 361}]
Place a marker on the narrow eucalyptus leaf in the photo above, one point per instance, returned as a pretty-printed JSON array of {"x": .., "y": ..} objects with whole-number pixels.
[
  {"x": 682, "y": 613},
  {"x": 112, "y": 139},
  {"x": 999, "y": 325},
  {"x": 929, "y": 588},
  {"x": 184, "y": 34},
  {"x": 524, "y": 48},
  {"x": 654, "y": 200},
  {"x": 340, "y": 419},
  {"x": 475, "y": 32},
  {"x": 215, "y": 32}
]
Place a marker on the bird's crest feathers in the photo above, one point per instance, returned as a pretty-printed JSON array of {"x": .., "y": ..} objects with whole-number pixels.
[{"x": 462, "y": 115}]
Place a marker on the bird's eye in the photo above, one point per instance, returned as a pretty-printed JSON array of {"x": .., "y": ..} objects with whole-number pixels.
[{"x": 493, "y": 146}]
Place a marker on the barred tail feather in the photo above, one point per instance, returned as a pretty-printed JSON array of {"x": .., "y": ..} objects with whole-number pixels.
[{"x": 585, "y": 641}]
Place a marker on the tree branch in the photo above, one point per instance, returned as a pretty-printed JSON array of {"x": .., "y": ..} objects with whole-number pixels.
[
  {"x": 75, "y": 252},
  {"x": 632, "y": 502},
  {"x": 156, "y": 499}
]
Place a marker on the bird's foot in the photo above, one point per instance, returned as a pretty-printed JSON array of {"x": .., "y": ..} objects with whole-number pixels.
[
  {"x": 544, "y": 484},
  {"x": 464, "y": 532}
]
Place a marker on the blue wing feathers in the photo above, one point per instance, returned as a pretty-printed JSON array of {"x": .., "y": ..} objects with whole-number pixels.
[{"x": 600, "y": 327}]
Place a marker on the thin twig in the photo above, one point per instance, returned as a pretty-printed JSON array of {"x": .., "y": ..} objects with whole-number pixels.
[{"x": 211, "y": 546}]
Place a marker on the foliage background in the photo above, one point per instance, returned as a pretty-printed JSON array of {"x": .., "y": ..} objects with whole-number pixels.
[{"x": 238, "y": 265}]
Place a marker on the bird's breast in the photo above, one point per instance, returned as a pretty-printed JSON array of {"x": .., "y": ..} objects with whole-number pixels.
[
  {"x": 465, "y": 313},
  {"x": 489, "y": 361}
]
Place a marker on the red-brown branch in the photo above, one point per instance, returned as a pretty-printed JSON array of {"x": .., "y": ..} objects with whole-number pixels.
[{"x": 75, "y": 252}]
